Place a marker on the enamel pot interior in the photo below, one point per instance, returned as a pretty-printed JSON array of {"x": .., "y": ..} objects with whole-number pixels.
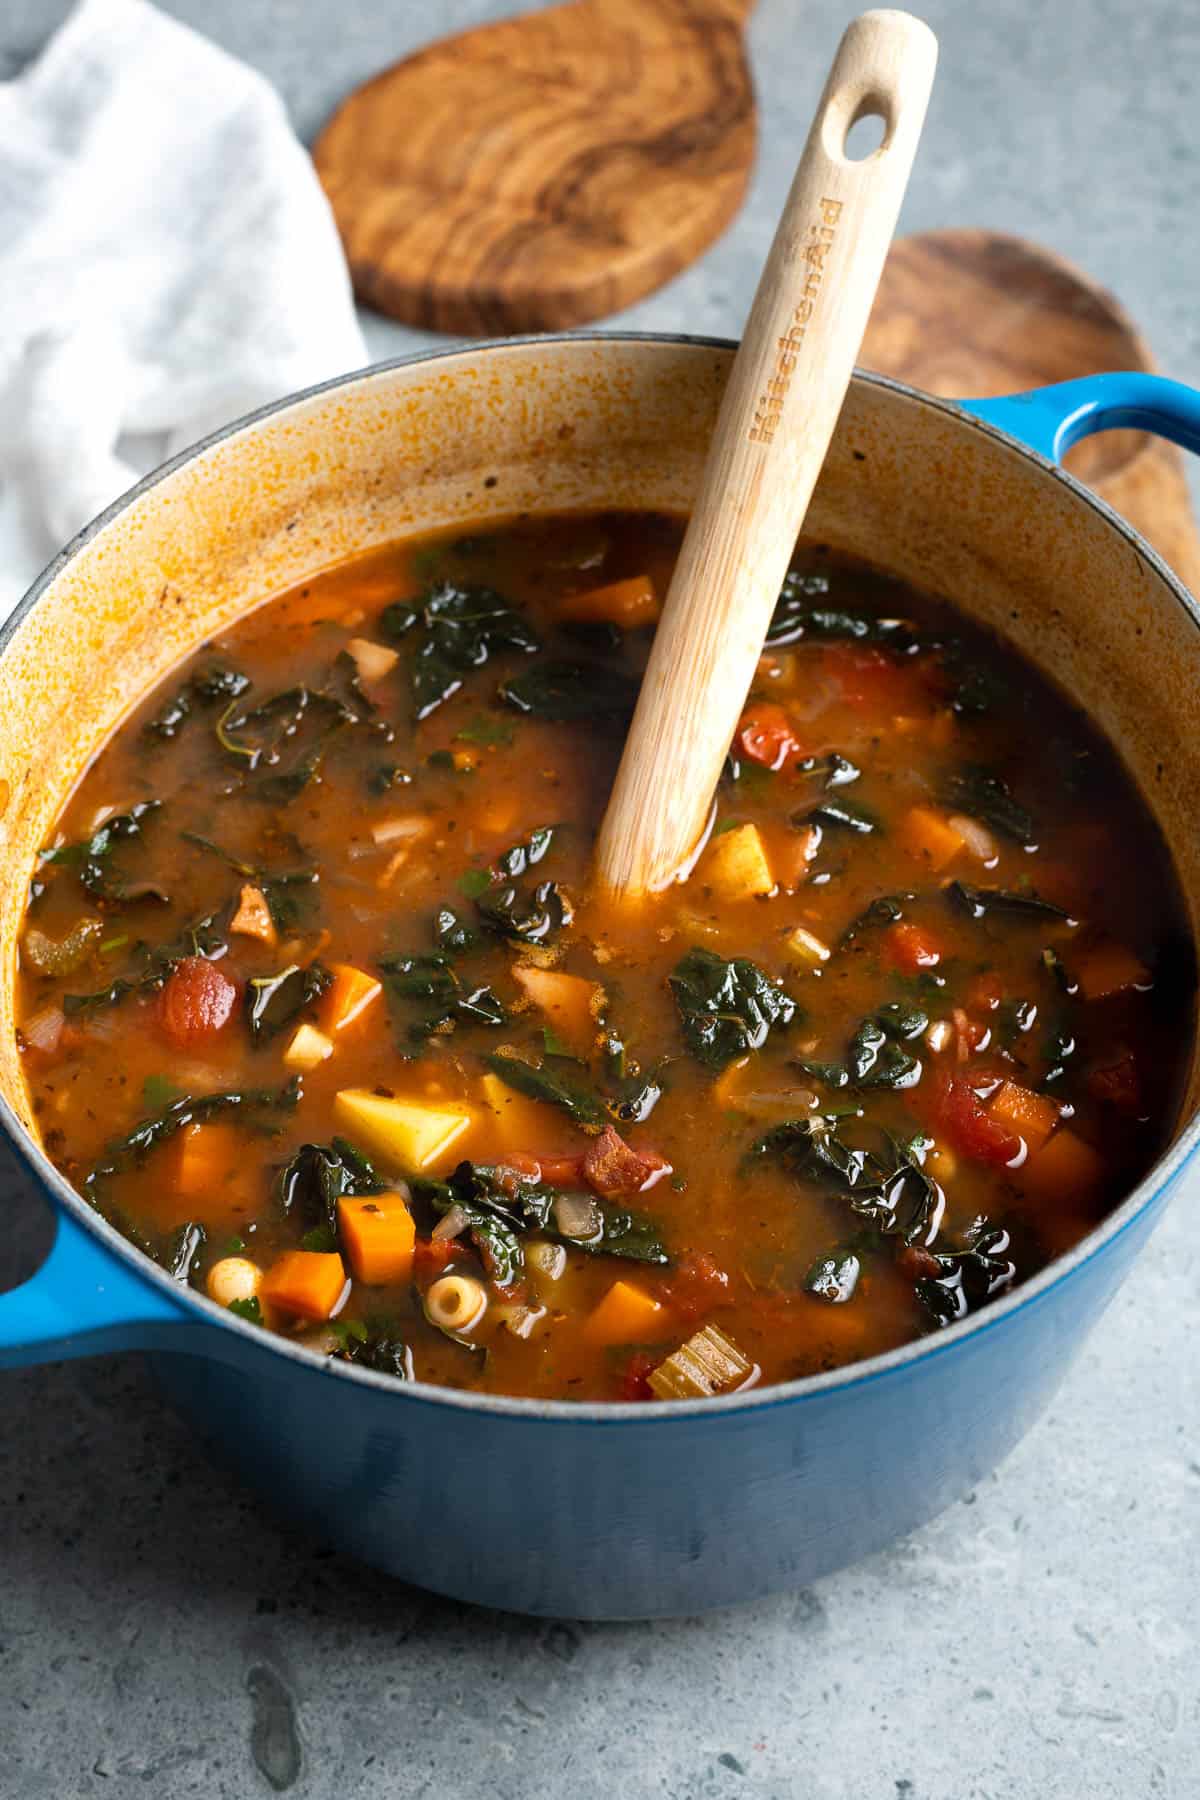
[{"x": 549, "y": 425}]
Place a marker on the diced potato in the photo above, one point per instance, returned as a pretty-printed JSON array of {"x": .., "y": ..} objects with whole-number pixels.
[
  {"x": 1031, "y": 1115},
  {"x": 570, "y": 1002},
  {"x": 1109, "y": 969},
  {"x": 347, "y": 998},
  {"x": 929, "y": 836},
  {"x": 516, "y": 1122},
  {"x": 307, "y": 1284},
  {"x": 628, "y": 604},
  {"x": 410, "y": 1134},
  {"x": 709, "y": 1363},
  {"x": 626, "y": 1315},
  {"x": 805, "y": 947},
  {"x": 1066, "y": 1168},
  {"x": 373, "y": 661},
  {"x": 735, "y": 864},
  {"x": 308, "y": 1049},
  {"x": 253, "y": 917},
  {"x": 378, "y": 1235}
]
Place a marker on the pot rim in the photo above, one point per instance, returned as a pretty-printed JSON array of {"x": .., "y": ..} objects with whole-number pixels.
[{"x": 851, "y": 1375}]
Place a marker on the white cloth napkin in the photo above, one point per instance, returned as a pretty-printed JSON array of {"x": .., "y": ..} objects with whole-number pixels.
[{"x": 167, "y": 261}]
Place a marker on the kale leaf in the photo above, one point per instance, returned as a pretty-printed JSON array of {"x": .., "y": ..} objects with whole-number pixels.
[
  {"x": 565, "y": 692},
  {"x": 275, "y": 1001},
  {"x": 796, "y": 616},
  {"x": 979, "y": 901},
  {"x": 726, "y": 1008},
  {"x": 845, "y": 815},
  {"x": 91, "y": 858},
  {"x": 968, "y": 1277},
  {"x": 986, "y": 796},
  {"x": 459, "y": 630},
  {"x": 875, "y": 1058},
  {"x": 203, "y": 937},
  {"x": 259, "y": 1106},
  {"x": 312, "y": 1182},
  {"x": 282, "y": 889},
  {"x": 429, "y": 985},
  {"x": 885, "y": 1184},
  {"x": 833, "y": 1278},
  {"x": 204, "y": 688},
  {"x": 579, "y": 1103},
  {"x": 533, "y": 917},
  {"x": 884, "y": 910}
]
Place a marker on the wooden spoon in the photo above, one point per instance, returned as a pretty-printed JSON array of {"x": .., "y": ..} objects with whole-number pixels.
[
  {"x": 970, "y": 313},
  {"x": 541, "y": 172},
  {"x": 777, "y": 417}
]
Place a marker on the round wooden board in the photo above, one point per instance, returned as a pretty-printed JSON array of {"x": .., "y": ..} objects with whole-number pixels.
[
  {"x": 545, "y": 171},
  {"x": 970, "y": 314}
]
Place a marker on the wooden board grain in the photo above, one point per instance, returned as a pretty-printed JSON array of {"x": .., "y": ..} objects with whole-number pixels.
[
  {"x": 547, "y": 170},
  {"x": 971, "y": 314}
]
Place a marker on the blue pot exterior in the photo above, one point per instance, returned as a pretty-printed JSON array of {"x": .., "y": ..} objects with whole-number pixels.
[
  {"x": 645, "y": 1516},
  {"x": 624, "y": 1512}
]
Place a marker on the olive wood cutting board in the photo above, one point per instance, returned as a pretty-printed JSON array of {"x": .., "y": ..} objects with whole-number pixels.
[
  {"x": 547, "y": 170},
  {"x": 974, "y": 313}
]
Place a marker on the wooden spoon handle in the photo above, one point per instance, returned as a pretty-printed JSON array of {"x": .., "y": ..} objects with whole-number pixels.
[{"x": 776, "y": 420}]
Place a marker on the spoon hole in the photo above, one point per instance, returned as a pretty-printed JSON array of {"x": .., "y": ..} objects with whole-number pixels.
[{"x": 866, "y": 133}]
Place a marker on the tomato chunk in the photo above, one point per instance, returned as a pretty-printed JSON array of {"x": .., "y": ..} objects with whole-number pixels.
[
  {"x": 957, "y": 1112},
  {"x": 869, "y": 677},
  {"x": 911, "y": 947},
  {"x": 765, "y": 736},
  {"x": 698, "y": 1285},
  {"x": 197, "y": 1001},
  {"x": 635, "y": 1384},
  {"x": 1117, "y": 1085}
]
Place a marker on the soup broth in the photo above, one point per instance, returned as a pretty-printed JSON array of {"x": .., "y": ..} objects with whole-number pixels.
[{"x": 318, "y": 1007}]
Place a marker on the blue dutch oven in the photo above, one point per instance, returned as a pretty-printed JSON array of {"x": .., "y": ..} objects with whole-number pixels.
[{"x": 626, "y": 1510}]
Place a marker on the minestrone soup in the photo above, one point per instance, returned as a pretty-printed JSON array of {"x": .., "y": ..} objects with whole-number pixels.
[{"x": 317, "y": 1007}]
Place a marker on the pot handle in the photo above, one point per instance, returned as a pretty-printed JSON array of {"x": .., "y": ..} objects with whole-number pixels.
[
  {"x": 81, "y": 1302},
  {"x": 1051, "y": 419}
]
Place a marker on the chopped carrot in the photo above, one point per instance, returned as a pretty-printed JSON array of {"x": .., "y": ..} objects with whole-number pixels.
[
  {"x": 205, "y": 1155},
  {"x": 929, "y": 836},
  {"x": 629, "y": 604},
  {"x": 571, "y": 1003},
  {"x": 253, "y": 917},
  {"x": 1065, "y": 1169},
  {"x": 1031, "y": 1115},
  {"x": 626, "y": 1315},
  {"x": 308, "y": 1284},
  {"x": 351, "y": 993},
  {"x": 1109, "y": 969},
  {"x": 378, "y": 1235}
]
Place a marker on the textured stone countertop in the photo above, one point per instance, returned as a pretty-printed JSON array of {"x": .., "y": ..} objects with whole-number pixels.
[{"x": 162, "y": 1635}]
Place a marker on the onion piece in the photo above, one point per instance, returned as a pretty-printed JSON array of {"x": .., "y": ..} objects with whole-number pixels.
[
  {"x": 545, "y": 1259},
  {"x": 577, "y": 1216},
  {"x": 452, "y": 1224},
  {"x": 399, "y": 829},
  {"x": 43, "y": 1030},
  {"x": 977, "y": 838}
]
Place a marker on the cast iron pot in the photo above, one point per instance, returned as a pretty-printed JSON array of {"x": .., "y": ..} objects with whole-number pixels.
[{"x": 597, "y": 1511}]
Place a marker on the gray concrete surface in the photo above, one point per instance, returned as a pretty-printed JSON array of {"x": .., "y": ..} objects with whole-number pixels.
[{"x": 161, "y": 1635}]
